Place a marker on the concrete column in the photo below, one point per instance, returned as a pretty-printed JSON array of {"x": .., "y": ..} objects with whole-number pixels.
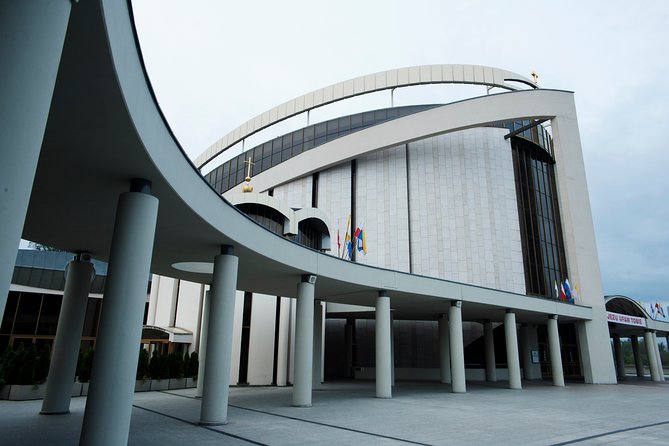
[
  {"x": 348, "y": 347},
  {"x": 317, "y": 365},
  {"x": 383, "y": 364},
  {"x": 660, "y": 369},
  {"x": 458, "y": 382},
  {"x": 78, "y": 276},
  {"x": 32, "y": 40},
  {"x": 652, "y": 357},
  {"x": 555, "y": 351},
  {"x": 444, "y": 350},
  {"x": 620, "y": 362},
  {"x": 204, "y": 335},
  {"x": 392, "y": 348},
  {"x": 284, "y": 344},
  {"x": 490, "y": 364},
  {"x": 216, "y": 385},
  {"x": 529, "y": 341},
  {"x": 512, "y": 350},
  {"x": 110, "y": 393},
  {"x": 304, "y": 341},
  {"x": 638, "y": 362}
]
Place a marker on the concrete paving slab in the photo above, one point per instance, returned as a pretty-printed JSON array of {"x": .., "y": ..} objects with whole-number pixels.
[{"x": 348, "y": 413}]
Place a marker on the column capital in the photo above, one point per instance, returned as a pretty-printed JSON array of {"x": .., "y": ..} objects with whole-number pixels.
[
  {"x": 140, "y": 185},
  {"x": 383, "y": 293},
  {"x": 227, "y": 250},
  {"x": 456, "y": 303},
  {"x": 509, "y": 311},
  {"x": 553, "y": 316},
  {"x": 308, "y": 278},
  {"x": 83, "y": 256}
]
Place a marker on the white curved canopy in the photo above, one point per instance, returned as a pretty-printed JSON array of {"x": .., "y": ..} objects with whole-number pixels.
[{"x": 384, "y": 80}]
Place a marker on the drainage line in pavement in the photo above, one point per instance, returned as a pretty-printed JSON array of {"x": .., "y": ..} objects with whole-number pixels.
[
  {"x": 209, "y": 428},
  {"x": 332, "y": 426},
  {"x": 605, "y": 434},
  {"x": 309, "y": 421}
]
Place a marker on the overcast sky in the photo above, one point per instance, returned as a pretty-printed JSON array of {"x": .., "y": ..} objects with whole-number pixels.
[{"x": 216, "y": 64}]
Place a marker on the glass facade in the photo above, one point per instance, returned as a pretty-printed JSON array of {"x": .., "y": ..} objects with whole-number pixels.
[
  {"x": 282, "y": 148},
  {"x": 537, "y": 134},
  {"x": 264, "y": 215},
  {"x": 32, "y": 318},
  {"x": 539, "y": 217}
]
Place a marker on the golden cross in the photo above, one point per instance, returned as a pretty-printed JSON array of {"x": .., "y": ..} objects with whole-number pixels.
[
  {"x": 535, "y": 76},
  {"x": 250, "y": 163}
]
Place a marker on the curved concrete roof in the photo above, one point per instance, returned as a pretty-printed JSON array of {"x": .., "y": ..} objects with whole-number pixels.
[
  {"x": 384, "y": 80},
  {"x": 105, "y": 128},
  {"x": 625, "y": 305}
]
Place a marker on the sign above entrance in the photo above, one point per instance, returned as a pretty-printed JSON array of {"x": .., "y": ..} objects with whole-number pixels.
[{"x": 626, "y": 319}]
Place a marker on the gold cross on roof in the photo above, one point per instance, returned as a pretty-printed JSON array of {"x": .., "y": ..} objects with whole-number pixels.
[{"x": 250, "y": 163}]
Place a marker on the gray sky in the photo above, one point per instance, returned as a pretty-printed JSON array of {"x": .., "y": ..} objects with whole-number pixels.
[{"x": 216, "y": 64}]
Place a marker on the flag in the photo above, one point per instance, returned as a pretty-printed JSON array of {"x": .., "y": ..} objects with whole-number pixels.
[
  {"x": 563, "y": 296},
  {"x": 361, "y": 241},
  {"x": 567, "y": 291},
  {"x": 658, "y": 309},
  {"x": 357, "y": 232},
  {"x": 576, "y": 293},
  {"x": 364, "y": 242},
  {"x": 349, "y": 249},
  {"x": 338, "y": 241},
  {"x": 347, "y": 238},
  {"x": 557, "y": 292}
]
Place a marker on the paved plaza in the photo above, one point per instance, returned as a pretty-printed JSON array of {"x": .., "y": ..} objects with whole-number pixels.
[{"x": 348, "y": 413}]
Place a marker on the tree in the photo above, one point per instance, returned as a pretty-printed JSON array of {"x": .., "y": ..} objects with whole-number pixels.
[{"x": 41, "y": 247}]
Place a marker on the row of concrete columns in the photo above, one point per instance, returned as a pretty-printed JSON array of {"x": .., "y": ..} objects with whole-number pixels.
[
  {"x": 652, "y": 351},
  {"x": 451, "y": 349},
  {"x": 111, "y": 390}
]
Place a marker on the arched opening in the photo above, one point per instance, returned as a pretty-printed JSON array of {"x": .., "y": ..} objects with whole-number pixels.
[{"x": 313, "y": 233}]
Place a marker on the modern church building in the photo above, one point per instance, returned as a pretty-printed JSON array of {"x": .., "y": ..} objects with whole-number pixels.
[
  {"x": 488, "y": 203},
  {"x": 429, "y": 241}
]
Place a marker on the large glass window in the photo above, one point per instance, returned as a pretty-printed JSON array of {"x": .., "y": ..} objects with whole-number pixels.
[{"x": 541, "y": 232}]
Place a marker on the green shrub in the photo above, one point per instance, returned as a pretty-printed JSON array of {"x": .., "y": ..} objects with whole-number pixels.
[
  {"x": 6, "y": 360},
  {"x": 193, "y": 365},
  {"x": 158, "y": 368},
  {"x": 27, "y": 366},
  {"x": 175, "y": 365},
  {"x": 42, "y": 365},
  {"x": 85, "y": 365},
  {"x": 142, "y": 364}
]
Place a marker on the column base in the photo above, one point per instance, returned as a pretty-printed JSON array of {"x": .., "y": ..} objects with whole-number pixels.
[
  {"x": 301, "y": 405},
  {"x": 59, "y": 412},
  {"x": 212, "y": 423},
  {"x": 384, "y": 397}
]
